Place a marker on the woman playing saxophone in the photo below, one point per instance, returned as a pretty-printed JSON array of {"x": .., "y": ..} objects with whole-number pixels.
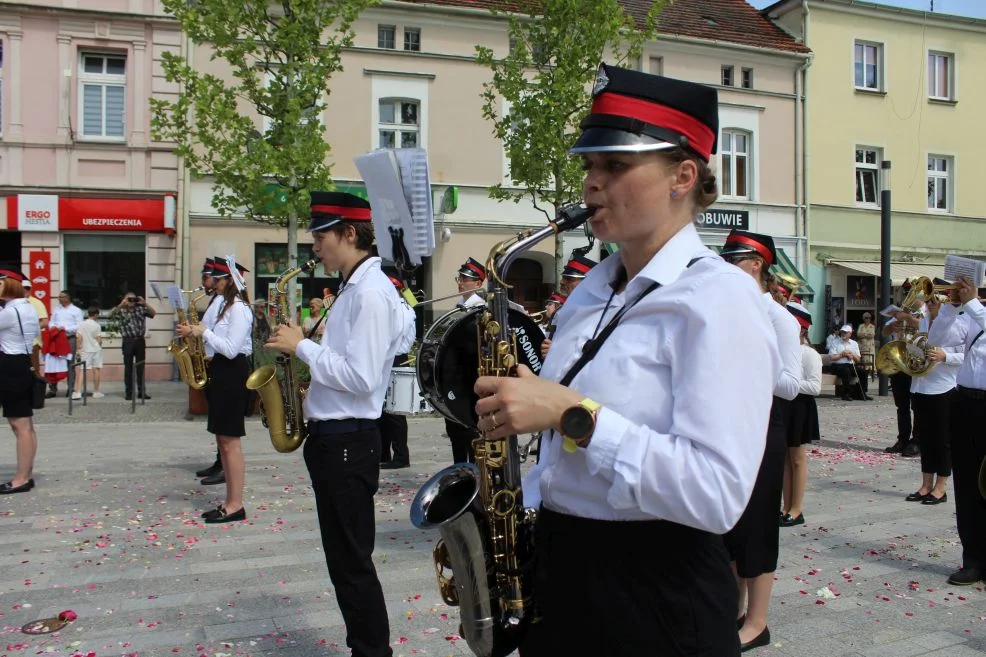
[{"x": 646, "y": 467}]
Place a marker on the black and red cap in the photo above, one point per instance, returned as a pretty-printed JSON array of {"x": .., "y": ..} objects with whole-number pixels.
[
  {"x": 207, "y": 267},
  {"x": 743, "y": 242},
  {"x": 220, "y": 268},
  {"x": 472, "y": 268},
  {"x": 331, "y": 208},
  {"x": 634, "y": 112},
  {"x": 800, "y": 313},
  {"x": 12, "y": 271},
  {"x": 556, "y": 297},
  {"x": 578, "y": 267}
]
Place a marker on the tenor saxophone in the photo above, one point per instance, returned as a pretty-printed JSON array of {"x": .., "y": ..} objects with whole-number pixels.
[
  {"x": 189, "y": 353},
  {"x": 487, "y": 536},
  {"x": 281, "y": 394}
]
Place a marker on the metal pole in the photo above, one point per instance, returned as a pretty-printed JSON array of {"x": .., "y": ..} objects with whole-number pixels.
[
  {"x": 84, "y": 385},
  {"x": 71, "y": 369},
  {"x": 133, "y": 390},
  {"x": 884, "y": 259}
]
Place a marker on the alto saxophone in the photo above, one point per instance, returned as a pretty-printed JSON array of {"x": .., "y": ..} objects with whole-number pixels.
[
  {"x": 189, "y": 353},
  {"x": 281, "y": 394},
  {"x": 487, "y": 536}
]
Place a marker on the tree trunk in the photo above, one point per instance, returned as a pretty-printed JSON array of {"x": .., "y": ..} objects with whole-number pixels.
[
  {"x": 559, "y": 238},
  {"x": 292, "y": 262}
]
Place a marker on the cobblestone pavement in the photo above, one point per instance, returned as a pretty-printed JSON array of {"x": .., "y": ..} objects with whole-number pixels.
[{"x": 112, "y": 532}]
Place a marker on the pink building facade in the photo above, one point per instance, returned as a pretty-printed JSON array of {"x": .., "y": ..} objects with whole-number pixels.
[{"x": 89, "y": 199}]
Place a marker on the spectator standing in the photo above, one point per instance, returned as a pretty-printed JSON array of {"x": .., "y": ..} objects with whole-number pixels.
[
  {"x": 65, "y": 318},
  {"x": 90, "y": 337},
  {"x": 132, "y": 314},
  {"x": 866, "y": 337}
]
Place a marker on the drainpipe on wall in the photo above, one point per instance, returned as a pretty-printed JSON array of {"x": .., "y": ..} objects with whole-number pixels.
[
  {"x": 802, "y": 81},
  {"x": 183, "y": 257}
]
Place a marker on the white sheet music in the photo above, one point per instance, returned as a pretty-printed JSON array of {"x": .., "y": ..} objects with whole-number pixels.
[
  {"x": 157, "y": 292},
  {"x": 956, "y": 266},
  {"x": 890, "y": 310},
  {"x": 176, "y": 298}
]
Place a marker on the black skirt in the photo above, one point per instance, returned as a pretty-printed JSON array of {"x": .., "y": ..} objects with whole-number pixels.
[
  {"x": 228, "y": 395},
  {"x": 16, "y": 383},
  {"x": 753, "y": 542},
  {"x": 804, "y": 422}
]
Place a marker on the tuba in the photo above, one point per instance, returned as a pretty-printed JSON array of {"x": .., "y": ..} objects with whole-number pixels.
[
  {"x": 189, "y": 353},
  {"x": 909, "y": 353},
  {"x": 281, "y": 394},
  {"x": 486, "y": 533}
]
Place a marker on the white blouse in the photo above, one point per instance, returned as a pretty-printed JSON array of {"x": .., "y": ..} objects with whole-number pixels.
[
  {"x": 231, "y": 333},
  {"x": 11, "y": 340}
]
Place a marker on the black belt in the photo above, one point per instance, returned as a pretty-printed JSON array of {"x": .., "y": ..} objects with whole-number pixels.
[
  {"x": 347, "y": 425},
  {"x": 975, "y": 393}
]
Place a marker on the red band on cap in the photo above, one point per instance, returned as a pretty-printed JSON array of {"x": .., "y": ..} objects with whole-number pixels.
[
  {"x": 700, "y": 136},
  {"x": 761, "y": 249},
  {"x": 7, "y": 273},
  {"x": 353, "y": 214},
  {"x": 578, "y": 266},
  {"x": 477, "y": 269},
  {"x": 221, "y": 267}
]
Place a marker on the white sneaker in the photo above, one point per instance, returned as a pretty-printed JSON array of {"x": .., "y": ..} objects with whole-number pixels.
[
  {"x": 98, "y": 395},
  {"x": 76, "y": 395}
]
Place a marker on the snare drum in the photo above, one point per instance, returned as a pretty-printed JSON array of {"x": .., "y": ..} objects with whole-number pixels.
[
  {"x": 448, "y": 360},
  {"x": 404, "y": 394}
]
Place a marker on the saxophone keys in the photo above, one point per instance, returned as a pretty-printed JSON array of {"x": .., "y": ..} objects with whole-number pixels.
[
  {"x": 492, "y": 328},
  {"x": 509, "y": 361}
]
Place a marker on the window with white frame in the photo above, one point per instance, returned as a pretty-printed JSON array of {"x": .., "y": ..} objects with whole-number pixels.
[
  {"x": 747, "y": 81},
  {"x": 868, "y": 66},
  {"x": 734, "y": 163},
  {"x": 412, "y": 39},
  {"x": 102, "y": 96},
  {"x": 399, "y": 124},
  {"x": 387, "y": 36},
  {"x": 727, "y": 76},
  {"x": 941, "y": 77},
  {"x": 867, "y": 175},
  {"x": 656, "y": 66},
  {"x": 939, "y": 183}
]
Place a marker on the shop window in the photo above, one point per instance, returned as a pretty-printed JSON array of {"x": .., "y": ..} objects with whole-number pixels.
[
  {"x": 100, "y": 269},
  {"x": 102, "y": 96},
  {"x": 271, "y": 260}
]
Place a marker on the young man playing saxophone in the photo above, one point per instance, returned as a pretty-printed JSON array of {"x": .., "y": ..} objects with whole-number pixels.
[{"x": 350, "y": 371}]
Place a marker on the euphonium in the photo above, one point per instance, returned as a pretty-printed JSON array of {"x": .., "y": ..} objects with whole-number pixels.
[
  {"x": 281, "y": 394},
  {"x": 486, "y": 533},
  {"x": 909, "y": 353},
  {"x": 189, "y": 352}
]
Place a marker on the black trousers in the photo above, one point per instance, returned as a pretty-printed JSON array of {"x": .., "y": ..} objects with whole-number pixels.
[
  {"x": 931, "y": 427},
  {"x": 968, "y": 432},
  {"x": 393, "y": 438},
  {"x": 133, "y": 351},
  {"x": 900, "y": 385},
  {"x": 846, "y": 371},
  {"x": 670, "y": 592},
  {"x": 343, "y": 459},
  {"x": 461, "y": 438}
]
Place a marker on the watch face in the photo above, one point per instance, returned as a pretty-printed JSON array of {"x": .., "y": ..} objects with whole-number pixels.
[{"x": 577, "y": 423}]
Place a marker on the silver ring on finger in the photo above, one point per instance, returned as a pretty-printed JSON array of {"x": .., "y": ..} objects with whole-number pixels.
[{"x": 493, "y": 420}]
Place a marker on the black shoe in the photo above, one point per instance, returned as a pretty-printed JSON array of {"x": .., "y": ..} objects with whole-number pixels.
[
  {"x": 211, "y": 512},
  {"x": 911, "y": 449},
  {"x": 213, "y": 469},
  {"x": 7, "y": 489},
  {"x": 739, "y": 622},
  {"x": 896, "y": 448},
  {"x": 917, "y": 497},
  {"x": 965, "y": 577},
  {"x": 128, "y": 397},
  {"x": 50, "y": 394},
  {"x": 789, "y": 521},
  {"x": 867, "y": 397},
  {"x": 846, "y": 397},
  {"x": 760, "y": 641},
  {"x": 218, "y": 478},
  {"x": 931, "y": 499},
  {"x": 394, "y": 465},
  {"x": 220, "y": 515},
  {"x": 144, "y": 395}
]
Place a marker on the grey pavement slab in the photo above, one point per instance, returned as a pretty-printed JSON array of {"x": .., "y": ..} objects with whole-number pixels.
[{"x": 112, "y": 531}]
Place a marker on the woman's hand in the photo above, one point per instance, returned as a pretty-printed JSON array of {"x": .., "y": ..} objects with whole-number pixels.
[
  {"x": 544, "y": 348},
  {"x": 185, "y": 330},
  {"x": 936, "y": 355},
  {"x": 286, "y": 338},
  {"x": 522, "y": 404}
]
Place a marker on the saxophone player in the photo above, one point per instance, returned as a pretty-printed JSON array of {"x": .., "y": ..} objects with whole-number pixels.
[
  {"x": 350, "y": 371},
  {"x": 230, "y": 344},
  {"x": 213, "y": 474},
  {"x": 646, "y": 467}
]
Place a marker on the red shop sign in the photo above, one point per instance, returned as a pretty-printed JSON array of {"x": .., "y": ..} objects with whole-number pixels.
[
  {"x": 40, "y": 273},
  {"x": 99, "y": 214}
]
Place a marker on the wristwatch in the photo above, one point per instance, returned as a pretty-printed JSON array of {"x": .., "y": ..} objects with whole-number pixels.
[{"x": 577, "y": 424}]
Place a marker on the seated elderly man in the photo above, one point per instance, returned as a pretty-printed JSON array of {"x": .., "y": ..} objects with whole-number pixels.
[{"x": 846, "y": 363}]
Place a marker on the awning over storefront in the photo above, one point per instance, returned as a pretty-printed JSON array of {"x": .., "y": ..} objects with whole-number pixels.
[
  {"x": 784, "y": 265},
  {"x": 899, "y": 271}
]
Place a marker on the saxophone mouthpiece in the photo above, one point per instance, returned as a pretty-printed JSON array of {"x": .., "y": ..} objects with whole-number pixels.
[{"x": 572, "y": 216}]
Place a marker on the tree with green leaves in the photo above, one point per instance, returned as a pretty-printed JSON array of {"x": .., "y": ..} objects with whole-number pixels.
[
  {"x": 546, "y": 80},
  {"x": 280, "y": 57}
]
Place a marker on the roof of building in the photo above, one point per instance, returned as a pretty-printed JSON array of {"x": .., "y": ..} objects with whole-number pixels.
[{"x": 729, "y": 21}]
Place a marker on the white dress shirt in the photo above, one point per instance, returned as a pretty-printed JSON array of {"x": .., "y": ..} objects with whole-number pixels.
[
  {"x": 208, "y": 319},
  {"x": 473, "y": 300},
  {"x": 231, "y": 334},
  {"x": 788, "y": 335},
  {"x": 351, "y": 367},
  {"x": 811, "y": 371},
  {"x": 407, "y": 338},
  {"x": 972, "y": 372},
  {"x": 685, "y": 382},
  {"x": 838, "y": 346},
  {"x": 11, "y": 340},
  {"x": 948, "y": 332},
  {"x": 67, "y": 317}
]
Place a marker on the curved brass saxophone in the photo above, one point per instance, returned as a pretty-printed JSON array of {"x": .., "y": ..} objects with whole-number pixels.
[
  {"x": 281, "y": 395},
  {"x": 487, "y": 536},
  {"x": 189, "y": 353}
]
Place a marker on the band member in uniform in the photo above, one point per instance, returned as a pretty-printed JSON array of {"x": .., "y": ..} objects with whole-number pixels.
[
  {"x": 394, "y": 453},
  {"x": 470, "y": 280},
  {"x": 900, "y": 386},
  {"x": 646, "y": 467},
  {"x": 574, "y": 273},
  {"x": 19, "y": 327},
  {"x": 350, "y": 372},
  {"x": 214, "y": 473},
  {"x": 231, "y": 344},
  {"x": 968, "y": 417},
  {"x": 753, "y": 542}
]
